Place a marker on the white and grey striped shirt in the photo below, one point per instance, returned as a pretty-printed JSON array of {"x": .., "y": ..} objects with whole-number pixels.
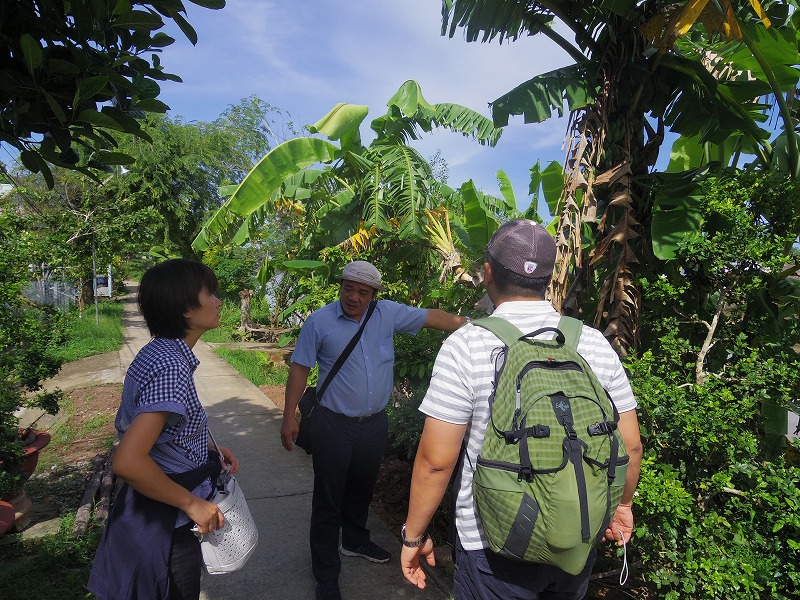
[{"x": 462, "y": 381}]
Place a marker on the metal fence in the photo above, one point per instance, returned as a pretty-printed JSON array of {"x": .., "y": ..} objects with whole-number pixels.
[{"x": 57, "y": 293}]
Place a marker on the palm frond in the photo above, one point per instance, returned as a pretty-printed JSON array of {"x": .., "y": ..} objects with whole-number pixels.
[
  {"x": 467, "y": 122},
  {"x": 539, "y": 97}
]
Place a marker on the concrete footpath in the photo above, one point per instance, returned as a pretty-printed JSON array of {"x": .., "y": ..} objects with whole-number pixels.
[{"x": 277, "y": 484}]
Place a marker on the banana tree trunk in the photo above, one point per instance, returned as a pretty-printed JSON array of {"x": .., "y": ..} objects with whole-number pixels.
[{"x": 600, "y": 232}]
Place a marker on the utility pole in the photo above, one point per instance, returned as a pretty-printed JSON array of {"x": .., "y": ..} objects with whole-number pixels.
[{"x": 94, "y": 283}]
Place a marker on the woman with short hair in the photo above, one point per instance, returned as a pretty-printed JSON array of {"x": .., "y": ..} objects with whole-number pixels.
[{"x": 149, "y": 548}]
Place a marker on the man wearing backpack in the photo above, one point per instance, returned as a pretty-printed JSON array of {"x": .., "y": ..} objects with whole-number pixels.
[{"x": 519, "y": 265}]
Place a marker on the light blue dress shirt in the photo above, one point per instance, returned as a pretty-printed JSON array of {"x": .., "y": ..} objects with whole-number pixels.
[{"x": 363, "y": 384}]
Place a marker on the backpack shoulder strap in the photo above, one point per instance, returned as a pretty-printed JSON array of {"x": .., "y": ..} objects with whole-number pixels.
[
  {"x": 507, "y": 332},
  {"x": 571, "y": 328}
]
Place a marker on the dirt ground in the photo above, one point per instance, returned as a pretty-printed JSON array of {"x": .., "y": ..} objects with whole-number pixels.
[
  {"x": 92, "y": 411},
  {"x": 65, "y": 467}
]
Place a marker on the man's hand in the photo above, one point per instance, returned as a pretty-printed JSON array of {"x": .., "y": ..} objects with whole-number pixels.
[
  {"x": 289, "y": 430},
  {"x": 620, "y": 528},
  {"x": 409, "y": 562},
  {"x": 295, "y": 385}
]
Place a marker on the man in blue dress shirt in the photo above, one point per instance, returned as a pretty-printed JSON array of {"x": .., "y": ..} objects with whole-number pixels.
[{"x": 351, "y": 429}]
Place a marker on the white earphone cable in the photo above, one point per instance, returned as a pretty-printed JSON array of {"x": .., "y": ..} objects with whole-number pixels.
[{"x": 623, "y": 575}]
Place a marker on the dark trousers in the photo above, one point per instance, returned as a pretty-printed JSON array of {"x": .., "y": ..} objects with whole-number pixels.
[
  {"x": 484, "y": 575},
  {"x": 347, "y": 456},
  {"x": 185, "y": 564}
]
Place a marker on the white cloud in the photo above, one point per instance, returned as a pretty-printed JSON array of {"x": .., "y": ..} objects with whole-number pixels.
[{"x": 306, "y": 56}]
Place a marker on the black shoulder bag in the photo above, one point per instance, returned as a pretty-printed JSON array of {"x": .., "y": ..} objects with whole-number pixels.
[{"x": 311, "y": 397}]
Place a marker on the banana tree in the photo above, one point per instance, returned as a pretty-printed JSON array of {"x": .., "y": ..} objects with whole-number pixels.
[
  {"x": 639, "y": 67},
  {"x": 350, "y": 193}
]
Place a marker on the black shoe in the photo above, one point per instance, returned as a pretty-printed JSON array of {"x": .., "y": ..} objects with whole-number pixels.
[
  {"x": 328, "y": 590},
  {"x": 371, "y": 551}
]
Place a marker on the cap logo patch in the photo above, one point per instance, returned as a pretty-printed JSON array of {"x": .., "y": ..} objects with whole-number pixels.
[{"x": 530, "y": 266}]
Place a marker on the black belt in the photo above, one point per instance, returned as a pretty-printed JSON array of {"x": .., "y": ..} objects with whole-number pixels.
[{"x": 361, "y": 419}]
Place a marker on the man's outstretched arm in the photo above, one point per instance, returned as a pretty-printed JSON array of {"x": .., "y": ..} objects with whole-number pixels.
[{"x": 444, "y": 321}]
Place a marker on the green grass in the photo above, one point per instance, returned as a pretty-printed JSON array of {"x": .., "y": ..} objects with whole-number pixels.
[
  {"x": 68, "y": 431},
  {"x": 84, "y": 337},
  {"x": 255, "y": 365},
  {"x": 50, "y": 568},
  {"x": 97, "y": 422}
]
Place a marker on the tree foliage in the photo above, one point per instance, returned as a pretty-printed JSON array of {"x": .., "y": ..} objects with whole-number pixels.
[
  {"x": 152, "y": 209},
  {"x": 720, "y": 322},
  {"x": 74, "y": 73},
  {"x": 27, "y": 333},
  {"x": 701, "y": 69}
]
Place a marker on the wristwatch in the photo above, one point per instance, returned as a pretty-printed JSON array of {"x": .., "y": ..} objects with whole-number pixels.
[{"x": 412, "y": 543}]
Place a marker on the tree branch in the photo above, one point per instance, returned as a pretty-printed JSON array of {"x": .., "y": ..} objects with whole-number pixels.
[{"x": 708, "y": 343}]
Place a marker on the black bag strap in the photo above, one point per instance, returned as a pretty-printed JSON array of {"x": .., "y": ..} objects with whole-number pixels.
[{"x": 346, "y": 352}]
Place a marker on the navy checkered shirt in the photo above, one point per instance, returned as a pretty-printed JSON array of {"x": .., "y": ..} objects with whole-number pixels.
[{"x": 160, "y": 378}]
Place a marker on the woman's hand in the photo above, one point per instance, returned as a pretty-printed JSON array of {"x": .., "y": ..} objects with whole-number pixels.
[
  {"x": 206, "y": 515},
  {"x": 229, "y": 461}
]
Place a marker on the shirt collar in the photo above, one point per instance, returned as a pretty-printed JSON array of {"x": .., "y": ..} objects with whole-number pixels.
[
  {"x": 187, "y": 353},
  {"x": 525, "y": 308}
]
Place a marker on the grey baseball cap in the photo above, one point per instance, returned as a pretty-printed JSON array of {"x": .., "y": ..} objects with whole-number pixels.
[
  {"x": 363, "y": 272},
  {"x": 524, "y": 247}
]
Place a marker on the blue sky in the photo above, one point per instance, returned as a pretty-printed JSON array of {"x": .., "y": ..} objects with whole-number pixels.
[{"x": 305, "y": 56}]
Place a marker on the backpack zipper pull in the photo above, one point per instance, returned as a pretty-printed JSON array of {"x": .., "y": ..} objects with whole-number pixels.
[
  {"x": 514, "y": 420},
  {"x": 518, "y": 410}
]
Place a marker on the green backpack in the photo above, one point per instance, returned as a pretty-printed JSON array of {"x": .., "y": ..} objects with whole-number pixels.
[{"x": 552, "y": 466}]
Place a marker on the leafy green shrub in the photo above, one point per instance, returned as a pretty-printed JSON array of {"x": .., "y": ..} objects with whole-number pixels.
[
  {"x": 414, "y": 356},
  {"x": 717, "y": 500},
  {"x": 715, "y": 519},
  {"x": 28, "y": 334},
  {"x": 65, "y": 559},
  {"x": 413, "y": 364},
  {"x": 236, "y": 268},
  {"x": 733, "y": 536},
  {"x": 405, "y": 422}
]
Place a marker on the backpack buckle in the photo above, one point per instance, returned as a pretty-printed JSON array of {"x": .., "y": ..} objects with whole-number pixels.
[
  {"x": 603, "y": 428},
  {"x": 539, "y": 431},
  {"x": 525, "y": 473},
  {"x": 571, "y": 433}
]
